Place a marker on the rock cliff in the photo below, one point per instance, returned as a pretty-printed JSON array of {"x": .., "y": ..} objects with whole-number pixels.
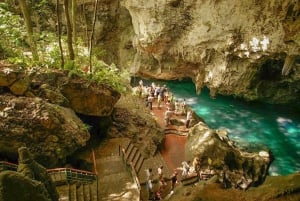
[{"x": 250, "y": 49}]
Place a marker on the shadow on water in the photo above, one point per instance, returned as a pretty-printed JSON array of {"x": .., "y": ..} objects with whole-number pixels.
[{"x": 252, "y": 125}]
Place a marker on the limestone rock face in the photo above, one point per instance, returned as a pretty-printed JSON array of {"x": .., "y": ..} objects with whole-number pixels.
[
  {"x": 50, "y": 131},
  {"x": 90, "y": 99},
  {"x": 216, "y": 151},
  {"x": 247, "y": 48}
]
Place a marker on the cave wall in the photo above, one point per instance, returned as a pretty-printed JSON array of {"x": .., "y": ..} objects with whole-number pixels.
[{"x": 250, "y": 49}]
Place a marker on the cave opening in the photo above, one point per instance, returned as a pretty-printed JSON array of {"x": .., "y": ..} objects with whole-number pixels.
[
  {"x": 97, "y": 126},
  {"x": 271, "y": 70}
]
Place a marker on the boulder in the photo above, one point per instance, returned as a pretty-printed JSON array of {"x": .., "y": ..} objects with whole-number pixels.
[
  {"x": 131, "y": 119},
  {"x": 51, "y": 132},
  {"x": 57, "y": 87},
  {"x": 16, "y": 187},
  {"x": 217, "y": 153}
]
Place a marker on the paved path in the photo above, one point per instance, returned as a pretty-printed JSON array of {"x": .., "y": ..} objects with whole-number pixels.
[{"x": 173, "y": 147}]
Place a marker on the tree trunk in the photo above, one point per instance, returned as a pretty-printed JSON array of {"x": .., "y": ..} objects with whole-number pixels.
[
  {"x": 92, "y": 35},
  {"x": 74, "y": 7},
  {"x": 69, "y": 30},
  {"x": 29, "y": 29},
  {"x": 59, "y": 34}
]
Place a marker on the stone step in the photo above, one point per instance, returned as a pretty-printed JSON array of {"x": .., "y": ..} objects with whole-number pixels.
[
  {"x": 86, "y": 192},
  {"x": 80, "y": 193},
  {"x": 63, "y": 192},
  {"x": 139, "y": 163},
  {"x": 132, "y": 155},
  {"x": 72, "y": 192},
  {"x": 94, "y": 191}
]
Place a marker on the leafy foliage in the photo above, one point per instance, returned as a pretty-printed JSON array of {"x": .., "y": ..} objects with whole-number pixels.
[
  {"x": 14, "y": 48},
  {"x": 12, "y": 33}
]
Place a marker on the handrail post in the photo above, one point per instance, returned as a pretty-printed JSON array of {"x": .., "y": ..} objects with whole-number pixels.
[{"x": 94, "y": 162}]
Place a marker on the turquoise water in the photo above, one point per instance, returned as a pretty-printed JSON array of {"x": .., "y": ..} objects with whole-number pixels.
[{"x": 252, "y": 126}]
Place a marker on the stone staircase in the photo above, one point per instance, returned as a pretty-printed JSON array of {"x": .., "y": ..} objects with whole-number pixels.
[
  {"x": 78, "y": 192},
  {"x": 133, "y": 157},
  {"x": 75, "y": 185}
]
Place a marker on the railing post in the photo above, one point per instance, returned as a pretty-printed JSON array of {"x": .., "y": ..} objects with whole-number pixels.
[{"x": 94, "y": 162}]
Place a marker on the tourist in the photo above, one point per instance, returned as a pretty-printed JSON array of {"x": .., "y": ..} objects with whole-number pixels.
[
  {"x": 149, "y": 183},
  {"x": 159, "y": 100},
  {"x": 176, "y": 106},
  {"x": 185, "y": 169},
  {"x": 157, "y": 195},
  {"x": 150, "y": 189},
  {"x": 141, "y": 83},
  {"x": 149, "y": 174},
  {"x": 189, "y": 116},
  {"x": 140, "y": 90},
  {"x": 196, "y": 165},
  {"x": 157, "y": 91},
  {"x": 167, "y": 116},
  {"x": 160, "y": 172},
  {"x": 150, "y": 100},
  {"x": 165, "y": 94},
  {"x": 173, "y": 180},
  {"x": 162, "y": 184},
  {"x": 183, "y": 106}
]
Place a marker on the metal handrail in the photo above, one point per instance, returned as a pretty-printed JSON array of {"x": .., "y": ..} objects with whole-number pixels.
[
  {"x": 71, "y": 173},
  {"x": 4, "y": 165},
  {"x": 75, "y": 174},
  {"x": 133, "y": 171}
]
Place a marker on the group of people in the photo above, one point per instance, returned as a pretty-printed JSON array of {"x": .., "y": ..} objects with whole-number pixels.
[
  {"x": 188, "y": 169},
  {"x": 157, "y": 193},
  {"x": 162, "y": 95},
  {"x": 162, "y": 183}
]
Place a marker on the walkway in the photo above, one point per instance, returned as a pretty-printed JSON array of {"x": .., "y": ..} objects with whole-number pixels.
[
  {"x": 115, "y": 181},
  {"x": 173, "y": 147}
]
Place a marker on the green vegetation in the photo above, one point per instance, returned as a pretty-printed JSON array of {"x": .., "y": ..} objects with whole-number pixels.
[{"x": 15, "y": 48}]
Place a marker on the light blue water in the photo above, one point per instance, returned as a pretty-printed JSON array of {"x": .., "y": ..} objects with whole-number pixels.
[{"x": 252, "y": 126}]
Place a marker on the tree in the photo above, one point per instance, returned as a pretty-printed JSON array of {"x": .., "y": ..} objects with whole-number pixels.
[
  {"x": 69, "y": 30},
  {"x": 59, "y": 33},
  {"x": 92, "y": 35},
  {"x": 74, "y": 6},
  {"x": 28, "y": 23}
]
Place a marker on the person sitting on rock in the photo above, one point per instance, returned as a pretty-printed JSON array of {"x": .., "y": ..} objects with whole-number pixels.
[{"x": 185, "y": 169}]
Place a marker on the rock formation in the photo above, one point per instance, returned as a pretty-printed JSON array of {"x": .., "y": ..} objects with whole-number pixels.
[
  {"x": 236, "y": 168},
  {"x": 38, "y": 109},
  {"x": 33, "y": 170},
  {"x": 16, "y": 187},
  {"x": 131, "y": 119},
  {"x": 247, "y": 48}
]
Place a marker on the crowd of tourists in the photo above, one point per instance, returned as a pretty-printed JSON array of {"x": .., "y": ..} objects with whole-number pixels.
[{"x": 161, "y": 96}]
